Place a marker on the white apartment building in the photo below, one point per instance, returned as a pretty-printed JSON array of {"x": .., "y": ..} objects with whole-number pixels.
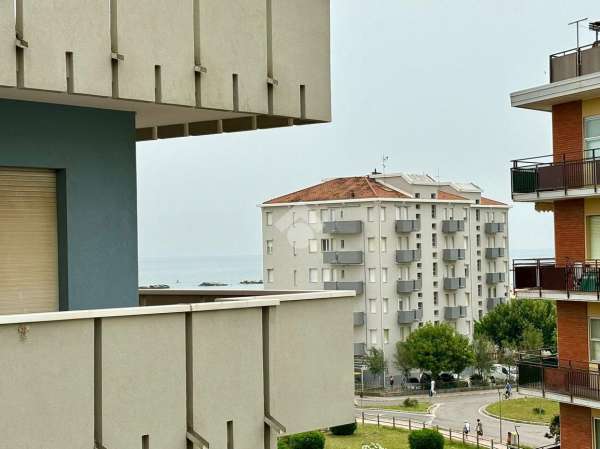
[{"x": 416, "y": 250}]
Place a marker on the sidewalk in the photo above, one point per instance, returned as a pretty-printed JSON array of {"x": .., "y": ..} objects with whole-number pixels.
[{"x": 426, "y": 397}]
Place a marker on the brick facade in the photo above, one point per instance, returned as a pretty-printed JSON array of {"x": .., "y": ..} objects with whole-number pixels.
[
  {"x": 572, "y": 329},
  {"x": 567, "y": 131},
  {"x": 569, "y": 231},
  {"x": 575, "y": 427}
]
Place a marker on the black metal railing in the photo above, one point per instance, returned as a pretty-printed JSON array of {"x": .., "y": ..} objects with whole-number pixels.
[
  {"x": 540, "y": 174},
  {"x": 545, "y": 274},
  {"x": 574, "y": 62},
  {"x": 550, "y": 374}
]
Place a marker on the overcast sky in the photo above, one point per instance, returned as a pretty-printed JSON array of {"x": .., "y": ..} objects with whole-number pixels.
[{"x": 425, "y": 82}]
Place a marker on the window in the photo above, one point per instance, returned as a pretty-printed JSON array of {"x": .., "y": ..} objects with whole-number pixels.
[
  {"x": 371, "y": 244},
  {"x": 384, "y": 244},
  {"x": 592, "y": 136},
  {"x": 468, "y": 298},
  {"x": 433, "y": 196},
  {"x": 372, "y": 275},
  {"x": 478, "y": 240},
  {"x": 270, "y": 275},
  {"x": 342, "y": 244},
  {"x": 417, "y": 195},
  {"x": 386, "y": 302},
  {"x": 435, "y": 268},
  {"x": 325, "y": 215},
  {"x": 370, "y": 214},
  {"x": 382, "y": 213},
  {"x": 593, "y": 236},
  {"x": 466, "y": 243},
  {"x": 313, "y": 275},
  {"x": 479, "y": 290},
  {"x": 384, "y": 275},
  {"x": 326, "y": 274},
  {"x": 295, "y": 277},
  {"x": 595, "y": 339},
  {"x": 386, "y": 336},
  {"x": 435, "y": 298},
  {"x": 597, "y": 432},
  {"x": 325, "y": 245},
  {"x": 480, "y": 313},
  {"x": 313, "y": 246},
  {"x": 477, "y": 214},
  {"x": 478, "y": 265},
  {"x": 312, "y": 216},
  {"x": 269, "y": 246},
  {"x": 269, "y": 218},
  {"x": 373, "y": 336},
  {"x": 294, "y": 248},
  {"x": 372, "y": 305},
  {"x": 434, "y": 240}
]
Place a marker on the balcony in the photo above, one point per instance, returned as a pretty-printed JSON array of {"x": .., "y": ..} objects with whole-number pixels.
[
  {"x": 343, "y": 257},
  {"x": 410, "y": 316},
  {"x": 452, "y": 255},
  {"x": 408, "y": 255},
  {"x": 359, "y": 319},
  {"x": 492, "y": 303},
  {"x": 452, "y": 226},
  {"x": 360, "y": 349},
  {"x": 343, "y": 227},
  {"x": 575, "y": 62},
  {"x": 357, "y": 286},
  {"x": 494, "y": 253},
  {"x": 542, "y": 278},
  {"x": 543, "y": 179},
  {"x": 454, "y": 283},
  {"x": 560, "y": 380},
  {"x": 408, "y": 286},
  {"x": 494, "y": 228},
  {"x": 495, "y": 278},
  {"x": 407, "y": 226},
  {"x": 151, "y": 367},
  {"x": 455, "y": 312}
]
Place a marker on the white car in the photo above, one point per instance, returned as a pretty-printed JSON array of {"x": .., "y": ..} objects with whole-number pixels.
[{"x": 502, "y": 373}]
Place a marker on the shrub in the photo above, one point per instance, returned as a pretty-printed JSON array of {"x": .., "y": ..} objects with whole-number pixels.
[
  {"x": 344, "y": 429},
  {"x": 307, "y": 440},
  {"x": 282, "y": 443},
  {"x": 425, "y": 439},
  {"x": 408, "y": 402},
  {"x": 539, "y": 411}
]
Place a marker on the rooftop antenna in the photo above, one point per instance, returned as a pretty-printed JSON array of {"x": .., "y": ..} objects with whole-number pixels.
[
  {"x": 595, "y": 26},
  {"x": 384, "y": 160},
  {"x": 576, "y": 23}
]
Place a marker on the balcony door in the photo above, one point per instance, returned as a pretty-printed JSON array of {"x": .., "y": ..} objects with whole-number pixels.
[
  {"x": 592, "y": 137},
  {"x": 28, "y": 241},
  {"x": 593, "y": 237}
]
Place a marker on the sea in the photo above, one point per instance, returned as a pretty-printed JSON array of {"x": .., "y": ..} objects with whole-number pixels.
[{"x": 190, "y": 272}]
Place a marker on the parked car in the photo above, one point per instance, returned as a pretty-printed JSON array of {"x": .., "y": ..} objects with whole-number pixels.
[
  {"x": 502, "y": 373},
  {"x": 448, "y": 377}
]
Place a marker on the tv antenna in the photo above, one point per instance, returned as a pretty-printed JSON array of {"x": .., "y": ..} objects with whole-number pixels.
[
  {"x": 384, "y": 160},
  {"x": 576, "y": 23}
]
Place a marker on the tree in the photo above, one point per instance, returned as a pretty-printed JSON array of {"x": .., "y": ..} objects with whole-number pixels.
[
  {"x": 375, "y": 361},
  {"x": 438, "y": 348},
  {"x": 483, "y": 350},
  {"x": 532, "y": 339},
  {"x": 506, "y": 324},
  {"x": 402, "y": 360}
]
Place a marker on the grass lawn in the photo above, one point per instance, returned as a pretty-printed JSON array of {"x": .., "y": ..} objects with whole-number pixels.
[
  {"x": 420, "y": 407},
  {"x": 386, "y": 437},
  {"x": 522, "y": 409}
]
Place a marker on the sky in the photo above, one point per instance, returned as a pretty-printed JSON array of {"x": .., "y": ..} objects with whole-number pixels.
[{"x": 426, "y": 83}]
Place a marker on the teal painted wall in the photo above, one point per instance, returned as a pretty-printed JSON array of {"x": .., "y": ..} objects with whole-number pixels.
[{"x": 93, "y": 151}]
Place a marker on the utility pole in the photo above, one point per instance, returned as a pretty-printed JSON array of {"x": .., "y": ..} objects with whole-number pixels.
[{"x": 500, "y": 398}]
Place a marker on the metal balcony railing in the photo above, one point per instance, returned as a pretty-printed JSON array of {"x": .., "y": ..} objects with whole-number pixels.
[
  {"x": 343, "y": 257},
  {"x": 359, "y": 319},
  {"x": 342, "y": 227},
  {"x": 454, "y": 283},
  {"x": 455, "y": 312},
  {"x": 357, "y": 286},
  {"x": 494, "y": 253},
  {"x": 575, "y": 62},
  {"x": 360, "y": 349},
  {"x": 492, "y": 303},
  {"x": 543, "y": 174},
  {"x": 451, "y": 226},
  {"x": 408, "y": 286},
  {"x": 452, "y": 255},
  {"x": 550, "y": 375},
  {"x": 544, "y": 274},
  {"x": 408, "y": 255},
  {"x": 495, "y": 278},
  {"x": 410, "y": 316},
  {"x": 494, "y": 228},
  {"x": 406, "y": 226}
]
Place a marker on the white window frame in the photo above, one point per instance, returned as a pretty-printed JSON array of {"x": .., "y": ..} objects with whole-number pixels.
[
  {"x": 384, "y": 275},
  {"x": 269, "y": 246},
  {"x": 372, "y": 275},
  {"x": 312, "y": 216},
  {"x": 326, "y": 274},
  {"x": 313, "y": 249},
  {"x": 269, "y": 218},
  {"x": 270, "y": 275},
  {"x": 370, "y": 214},
  {"x": 313, "y": 279},
  {"x": 590, "y": 339}
]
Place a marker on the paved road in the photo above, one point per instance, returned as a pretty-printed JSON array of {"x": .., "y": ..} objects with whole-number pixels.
[{"x": 453, "y": 409}]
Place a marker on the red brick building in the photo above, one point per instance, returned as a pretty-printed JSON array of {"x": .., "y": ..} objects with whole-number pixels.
[{"x": 567, "y": 183}]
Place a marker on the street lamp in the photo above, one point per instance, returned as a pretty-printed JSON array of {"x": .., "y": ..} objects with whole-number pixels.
[
  {"x": 363, "y": 368},
  {"x": 500, "y": 399}
]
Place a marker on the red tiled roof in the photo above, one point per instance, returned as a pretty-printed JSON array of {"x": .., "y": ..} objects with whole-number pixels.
[
  {"x": 489, "y": 202},
  {"x": 449, "y": 196},
  {"x": 356, "y": 187}
]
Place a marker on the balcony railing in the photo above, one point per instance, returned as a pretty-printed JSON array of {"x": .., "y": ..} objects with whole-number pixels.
[
  {"x": 455, "y": 312},
  {"x": 562, "y": 380},
  {"x": 492, "y": 303},
  {"x": 454, "y": 283},
  {"x": 539, "y": 275},
  {"x": 453, "y": 254},
  {"x": 575, "y": 62},
  {"x": 359, "y": 319},
  {"x": 494, "y": 253},
  {"x": 538, "y": 175},
  {"x": 408, "y": 286},
  {"x": 494, "y": 228},
  {"x": 342, "y": 227},
  {"x": 452, "y": 226},
  {"x": 409, "y": 316},
  {"x": 408, "y": 255},
  {"x": 357, "y": 286},
  {"x": 406, "y": 226},
  {"x": 343, "y": 257},
  {"x": 495, "y": 278}
]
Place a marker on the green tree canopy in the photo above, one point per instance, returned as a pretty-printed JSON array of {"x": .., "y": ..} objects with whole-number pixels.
[
  {"x": 507, "y": 323},
  {"x": 438, "y": 348},
  {"x": 402, "y": 360},
  {"x": 375, "y": 361},
  {"x": 483, "y": 350}
]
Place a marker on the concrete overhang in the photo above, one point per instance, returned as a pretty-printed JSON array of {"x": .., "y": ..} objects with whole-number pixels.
[{"x": 542, "y": 98}]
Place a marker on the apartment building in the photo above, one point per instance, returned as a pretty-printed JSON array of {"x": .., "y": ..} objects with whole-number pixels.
[
  {"x": 88, "y": 361},
  {"x": 566, "y": 184},
  {"x": 415, "y": 250}
]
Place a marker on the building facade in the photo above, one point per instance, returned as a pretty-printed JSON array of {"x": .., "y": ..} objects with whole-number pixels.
[
  {"x": 87, "y": 359},
  {"x": 415, "y": 251},
  {"x": 566, "y": 184}
]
